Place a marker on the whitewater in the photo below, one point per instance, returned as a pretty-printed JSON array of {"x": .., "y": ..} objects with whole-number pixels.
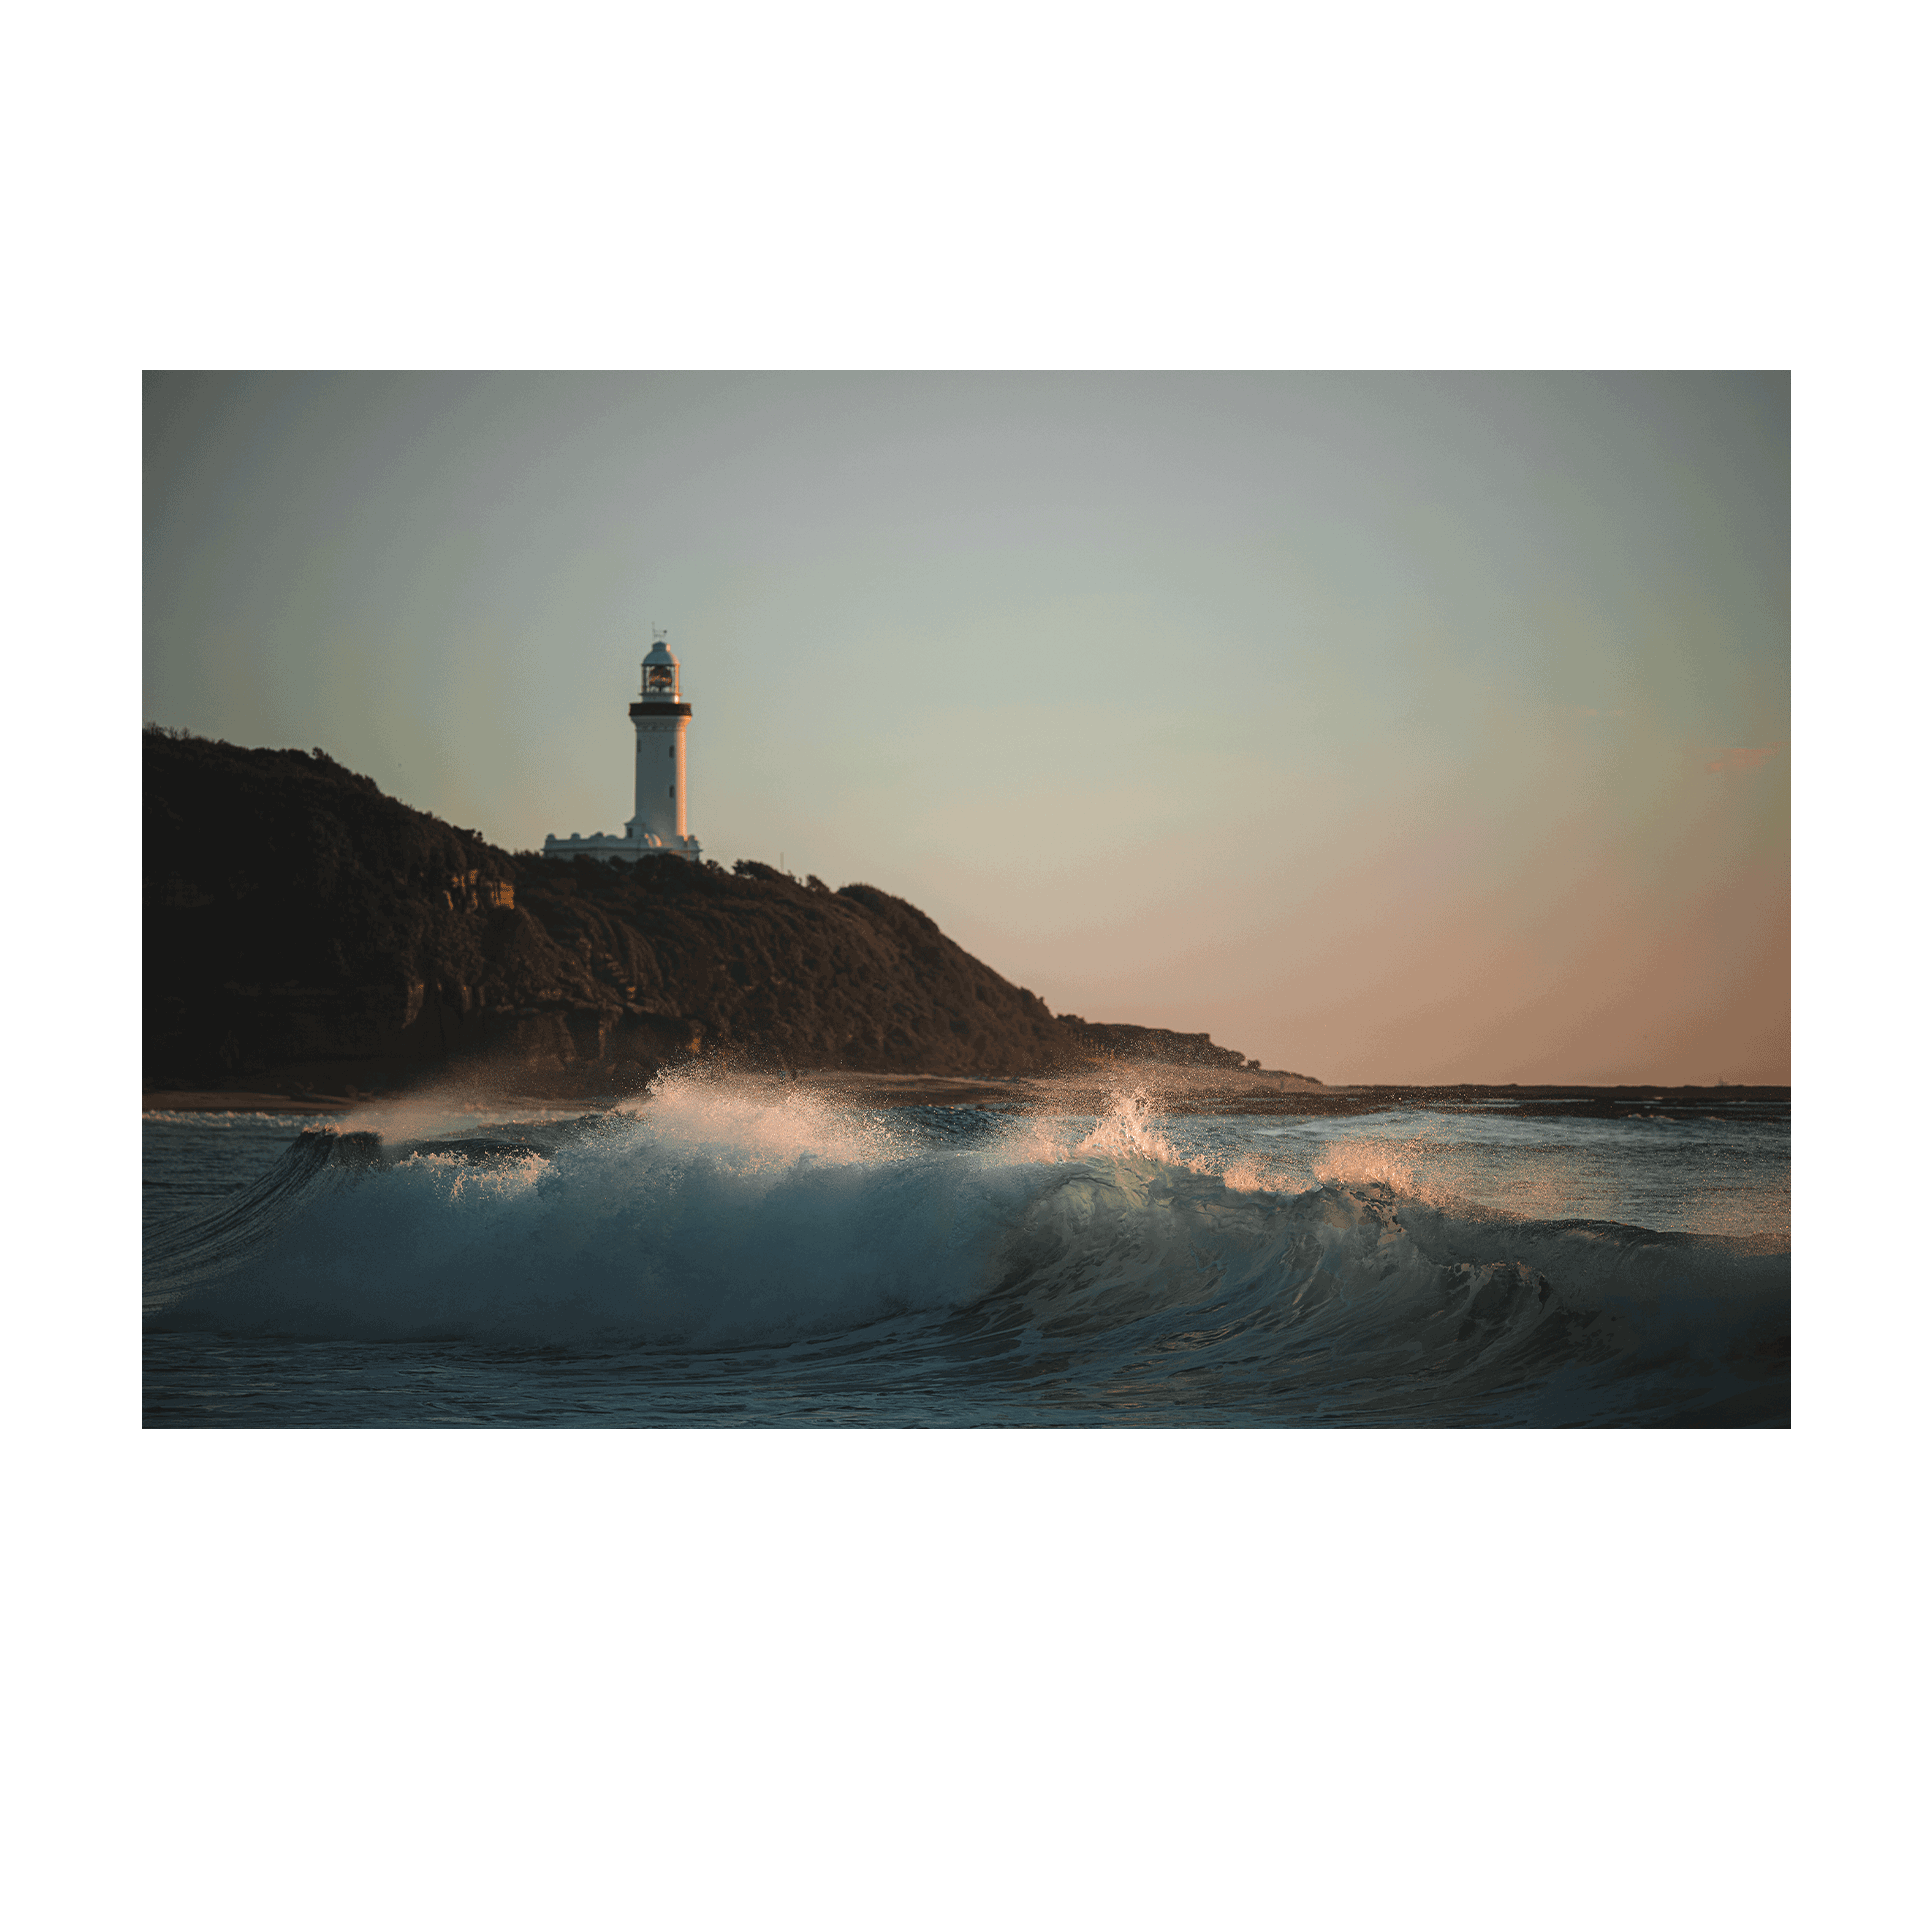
[{"x": 723, "y": 1253}]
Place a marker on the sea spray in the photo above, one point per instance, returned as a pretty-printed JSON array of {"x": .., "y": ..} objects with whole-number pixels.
[{"x": 1127, "y": 1264}]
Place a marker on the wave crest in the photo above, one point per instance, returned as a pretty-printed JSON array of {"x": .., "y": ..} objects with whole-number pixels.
[{"x": 1107, "y": 1262}]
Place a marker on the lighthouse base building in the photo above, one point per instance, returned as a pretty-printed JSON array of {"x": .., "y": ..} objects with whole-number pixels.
[{"x": 659, "y": 824}]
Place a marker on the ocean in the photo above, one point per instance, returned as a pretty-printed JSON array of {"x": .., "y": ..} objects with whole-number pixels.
[{"x": 760, "y": 1254}]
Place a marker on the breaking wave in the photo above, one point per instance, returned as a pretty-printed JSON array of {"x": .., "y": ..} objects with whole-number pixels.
[{"x": 1032, "y": 1263}]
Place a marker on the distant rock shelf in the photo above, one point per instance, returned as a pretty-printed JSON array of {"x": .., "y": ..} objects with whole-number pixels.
[{"x": 308, "y": 935}]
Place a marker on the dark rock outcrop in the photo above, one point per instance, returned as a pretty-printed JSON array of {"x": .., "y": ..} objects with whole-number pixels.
[
  {"x": 1107, "y": 1040},
  {"x": 304, "y": 928}
]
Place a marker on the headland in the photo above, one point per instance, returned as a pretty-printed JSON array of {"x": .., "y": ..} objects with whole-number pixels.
[{"x": 310, "y": 941}]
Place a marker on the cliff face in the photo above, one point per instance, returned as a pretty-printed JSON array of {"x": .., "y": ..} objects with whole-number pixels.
[{"x": 301, "y": 925}]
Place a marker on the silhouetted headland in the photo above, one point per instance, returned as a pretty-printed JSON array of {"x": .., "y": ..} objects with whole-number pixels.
[{"x": 308, "y": 936}]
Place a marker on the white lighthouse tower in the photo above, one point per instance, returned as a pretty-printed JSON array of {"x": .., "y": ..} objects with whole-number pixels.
[{"x": 659, "y": 824}]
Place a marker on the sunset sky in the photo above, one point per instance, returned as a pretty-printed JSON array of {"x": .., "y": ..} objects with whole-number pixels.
[{"x": 1388, "y": 728}]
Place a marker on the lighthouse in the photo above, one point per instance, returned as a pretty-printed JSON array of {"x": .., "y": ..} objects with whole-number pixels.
[{"x": 660, "y": 721}]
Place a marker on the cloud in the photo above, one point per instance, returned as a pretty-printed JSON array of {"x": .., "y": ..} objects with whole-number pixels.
[{"x": 1733, "y": 759}]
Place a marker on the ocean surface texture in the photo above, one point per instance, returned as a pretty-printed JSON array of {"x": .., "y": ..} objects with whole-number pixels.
[{"x": 761, "y": 1256}]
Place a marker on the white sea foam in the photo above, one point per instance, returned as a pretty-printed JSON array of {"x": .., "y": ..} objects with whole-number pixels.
[{"x": 1123, "y": 1247}]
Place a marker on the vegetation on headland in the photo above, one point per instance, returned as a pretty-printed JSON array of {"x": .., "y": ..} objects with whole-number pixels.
[{"x": 304, "y": 928}]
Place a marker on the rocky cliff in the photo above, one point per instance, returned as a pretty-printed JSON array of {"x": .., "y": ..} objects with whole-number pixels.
[{"x": 302, "y": 928}]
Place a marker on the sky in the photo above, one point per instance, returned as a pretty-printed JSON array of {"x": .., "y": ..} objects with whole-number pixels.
[{"x": 1389, "y": 728}]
